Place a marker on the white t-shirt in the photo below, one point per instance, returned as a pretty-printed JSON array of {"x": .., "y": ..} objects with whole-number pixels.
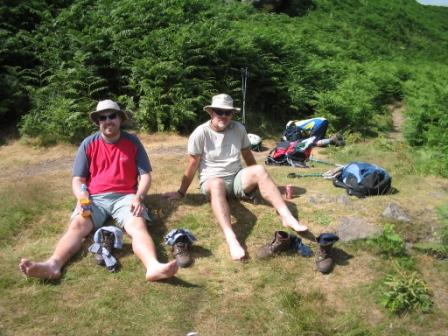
[{"x": 220, "y": 151}]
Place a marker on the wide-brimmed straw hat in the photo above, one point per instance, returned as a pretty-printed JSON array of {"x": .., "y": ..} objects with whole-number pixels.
[
  {"x": 107, "y": 105},
  {"x": 222, "y": 102}
]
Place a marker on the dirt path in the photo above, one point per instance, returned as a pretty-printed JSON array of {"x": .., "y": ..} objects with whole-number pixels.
[{"x": 398, "y": 121}]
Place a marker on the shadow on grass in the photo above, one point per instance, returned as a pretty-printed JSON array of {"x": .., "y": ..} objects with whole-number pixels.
[
  {"x": 245, "y": 221},
  {"x": 340, "y": 257},
  {"x": 162, "y": 209},
  {"x": 200, "y": 252},
  {"x": 175, "y": 281}
]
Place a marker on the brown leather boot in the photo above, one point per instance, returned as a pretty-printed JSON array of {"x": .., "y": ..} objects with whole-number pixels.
[
  {"x": 281, "y": 242},
  {"x": 324, "y": 261}
]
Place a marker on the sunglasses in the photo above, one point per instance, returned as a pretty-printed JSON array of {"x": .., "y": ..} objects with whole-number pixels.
[
  {"x": 223, "y": 112},
  {"x": 111, "y": 116}
]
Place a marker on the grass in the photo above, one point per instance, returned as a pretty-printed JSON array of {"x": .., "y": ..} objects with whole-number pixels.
[{"x": 279, "y": 296}]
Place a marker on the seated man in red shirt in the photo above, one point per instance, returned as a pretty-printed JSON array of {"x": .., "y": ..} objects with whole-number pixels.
[{"x": 116, "y": 169}]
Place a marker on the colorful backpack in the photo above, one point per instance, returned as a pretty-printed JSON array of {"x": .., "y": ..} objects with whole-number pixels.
[
  {"x": 363, "y": 179},
  {"x": 294, "y": 133},
  {"x": 293, "y": 153}
]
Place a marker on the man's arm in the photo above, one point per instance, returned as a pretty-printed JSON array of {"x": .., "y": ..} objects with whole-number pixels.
[
  {"x": 187, "y": 178},
  {"x": 144, "y": 184},
  {"x": 77, "y": 181},
  {"x": 248, "y": 157},
  {"x": 76, "y": 187}
]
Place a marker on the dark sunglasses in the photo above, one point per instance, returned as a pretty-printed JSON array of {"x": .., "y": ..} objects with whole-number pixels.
[
  {"x": 111, "y": 116},
  {"x": 223, "y": 112}
]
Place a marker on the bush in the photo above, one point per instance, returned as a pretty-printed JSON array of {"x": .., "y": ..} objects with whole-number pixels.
[
  {"x": 404, "y": 292},
  {"x": 389, "y": 243}
]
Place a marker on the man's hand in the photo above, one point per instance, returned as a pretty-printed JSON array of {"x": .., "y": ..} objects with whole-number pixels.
[
  {"x": 137, "y": 206},
  {"x": 84, "y": 207},
  {"x": 173, "y": 196}
]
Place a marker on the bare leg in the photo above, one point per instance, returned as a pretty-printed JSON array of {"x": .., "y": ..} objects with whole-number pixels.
[
  {"x": 220, "y": 207},
  {"x": 144, "y": 249},
  {"x": 258, "y": 176},
  {"x": 67, "y": 246}
]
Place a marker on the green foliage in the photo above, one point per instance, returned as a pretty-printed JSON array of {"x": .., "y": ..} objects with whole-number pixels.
[
  {"x": 343, "y": 60},
  {"x": 404, "y": 292},
  {"x": 426, "y": 116},
  {"x": 389, "y": 243},
  {"x": 18, "y": 20}
]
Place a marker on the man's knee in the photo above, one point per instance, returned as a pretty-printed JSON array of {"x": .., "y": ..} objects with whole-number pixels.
[
  {"x": 135, "y": 225},
  {"x": 257, "y": 172},
  {"x": 216, "y": 185},
  {"x": 81, "y": 224}
]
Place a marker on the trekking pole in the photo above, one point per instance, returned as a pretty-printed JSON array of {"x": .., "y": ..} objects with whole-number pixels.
[
  {"x": 244, "y": 74},
  {"x": 297, "y": 175},
  {"x": 325, "y": 162}
]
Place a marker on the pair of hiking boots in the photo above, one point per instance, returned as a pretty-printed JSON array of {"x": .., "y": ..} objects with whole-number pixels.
[{"x": 283, "y": 242}]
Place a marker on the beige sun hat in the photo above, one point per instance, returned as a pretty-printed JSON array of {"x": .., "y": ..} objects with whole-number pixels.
[
  {"x": 222, "y": 102},
  {"x": 107, "y": 105}
]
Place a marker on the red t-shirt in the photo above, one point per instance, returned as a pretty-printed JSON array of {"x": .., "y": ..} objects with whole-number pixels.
[{"x": 111, "y": 167}]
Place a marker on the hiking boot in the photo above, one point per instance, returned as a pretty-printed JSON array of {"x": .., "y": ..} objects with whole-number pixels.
[
  {"x": 107, "y": 242},
  {"x": 181, "y": 251},
  {"x": 337, "y": 140},
  {"x": 324, "y": 261},
  {"x": 280, "y": 243}
]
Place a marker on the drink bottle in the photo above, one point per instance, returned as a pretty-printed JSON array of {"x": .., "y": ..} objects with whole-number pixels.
[{"x": 86, "y": 205}]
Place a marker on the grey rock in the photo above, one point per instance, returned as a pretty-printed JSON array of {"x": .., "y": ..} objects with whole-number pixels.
[
  {"x": 395, "y": 212},
  {"x": 352, "y": 228}
]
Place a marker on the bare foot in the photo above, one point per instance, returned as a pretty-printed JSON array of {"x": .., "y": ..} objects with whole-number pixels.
[
  {"x": 41, "y": 270},
  {"x": 236, "y": 251},
  {"x": 292, "y": 223},
  {"x": 159, "y": 271}
]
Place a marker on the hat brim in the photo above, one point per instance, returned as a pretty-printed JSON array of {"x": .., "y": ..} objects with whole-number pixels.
[
  {"x": 209, "y": 108},
  {"x": 95, "y": 114}
]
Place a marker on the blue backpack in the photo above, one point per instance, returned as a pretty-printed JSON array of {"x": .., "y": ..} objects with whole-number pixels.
[{"x": 363, "y": 179}]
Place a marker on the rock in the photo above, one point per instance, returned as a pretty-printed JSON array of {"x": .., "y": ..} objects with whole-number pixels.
[
  {"x": 352, "y": 228},
  {"x": 324, "y": 199},
  {"x": 393, "y": 211}
]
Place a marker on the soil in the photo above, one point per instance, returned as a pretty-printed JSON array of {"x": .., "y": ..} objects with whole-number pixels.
[{"x": 398, "y": 119}]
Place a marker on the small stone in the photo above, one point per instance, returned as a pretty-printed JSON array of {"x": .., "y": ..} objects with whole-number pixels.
[{"x": 394, "y": 212}]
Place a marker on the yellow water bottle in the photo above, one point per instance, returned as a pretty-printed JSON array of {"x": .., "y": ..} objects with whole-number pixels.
[{"x": 86, "y": 205}]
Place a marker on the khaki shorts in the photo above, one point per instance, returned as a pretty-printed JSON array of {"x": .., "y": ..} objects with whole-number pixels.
[
  {"x": 233, "y": 184},
  {"x": 112, "y": 205}
]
